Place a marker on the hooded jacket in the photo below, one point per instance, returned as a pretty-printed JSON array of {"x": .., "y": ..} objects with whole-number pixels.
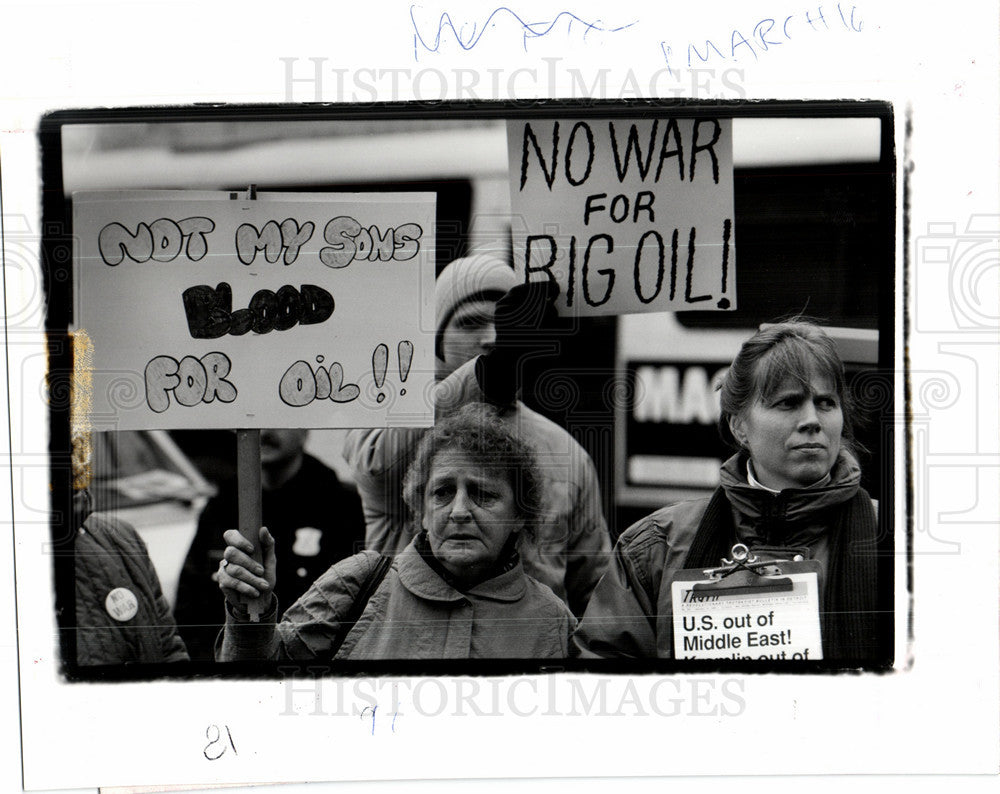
[{"x": 631, "y": 613}]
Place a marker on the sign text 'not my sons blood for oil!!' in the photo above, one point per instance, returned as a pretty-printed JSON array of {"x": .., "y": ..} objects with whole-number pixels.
[
  {"x": 625, "y": 215},
  {"x": 201, "y": 309}
]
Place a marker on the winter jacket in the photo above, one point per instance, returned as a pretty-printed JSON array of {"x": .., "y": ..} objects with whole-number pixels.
[
  {"x": 121, "y": 614},
  {"x": 572, "y": 547},
  {"x": 631, "y": 612},
  {"x": 413, "y": 614},
  {"x": 315, "y": 521}
]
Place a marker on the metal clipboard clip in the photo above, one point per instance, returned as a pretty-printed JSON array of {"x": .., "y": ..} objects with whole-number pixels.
[{"x": 745, "y": 573}]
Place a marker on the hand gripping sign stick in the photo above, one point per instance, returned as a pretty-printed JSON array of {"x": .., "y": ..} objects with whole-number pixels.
[
  {"x": 248, "y": 487},
  {"x": 249, "y": 499}
]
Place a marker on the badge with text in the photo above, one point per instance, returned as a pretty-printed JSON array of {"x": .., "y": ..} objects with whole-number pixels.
[
  {"x": 121, "y": 604},
  {"x": 768, "y": 611}
]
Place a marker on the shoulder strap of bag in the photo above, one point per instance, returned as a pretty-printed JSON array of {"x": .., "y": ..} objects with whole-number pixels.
[{"x": 371, "y": 583}]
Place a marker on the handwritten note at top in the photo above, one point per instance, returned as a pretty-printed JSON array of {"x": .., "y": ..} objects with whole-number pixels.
[
  {"x": 204, "y": 309},
  {"x": 430, "y": 34},
  {"x": 625, "y": 215},
  {"x": 758, "y": 36},
  {"x": 743, "y": 43}
]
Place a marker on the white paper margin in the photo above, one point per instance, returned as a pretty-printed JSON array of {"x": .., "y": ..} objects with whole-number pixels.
[{"x": 940, "y": 70}]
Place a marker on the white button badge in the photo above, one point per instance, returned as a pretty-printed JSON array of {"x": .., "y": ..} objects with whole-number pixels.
[{"x": 121, "y": 604}]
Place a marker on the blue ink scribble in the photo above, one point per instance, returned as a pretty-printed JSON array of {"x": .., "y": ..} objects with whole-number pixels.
[
  {"x": 531, "y": 30},
  {"x": 667, "y": 52}
]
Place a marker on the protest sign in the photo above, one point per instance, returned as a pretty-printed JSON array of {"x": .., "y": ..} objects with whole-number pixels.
[
  {"x": 201, "y": 309},
  {"x": 747, "y": 623},
  {"x": 625, "y": 215}
]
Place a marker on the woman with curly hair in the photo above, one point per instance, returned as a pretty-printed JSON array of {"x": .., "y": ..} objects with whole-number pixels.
[{"x": 458, "y": 590}]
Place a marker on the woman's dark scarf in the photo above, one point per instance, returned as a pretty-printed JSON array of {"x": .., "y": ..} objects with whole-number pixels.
[
  {"x": 848, "y": 610},
  {"x": 507, "y": 560}
]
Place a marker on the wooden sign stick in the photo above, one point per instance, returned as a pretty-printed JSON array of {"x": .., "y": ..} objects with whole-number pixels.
[{"x": 249, "y": 496}]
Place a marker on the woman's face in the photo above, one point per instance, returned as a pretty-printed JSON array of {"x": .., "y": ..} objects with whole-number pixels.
[
  {"x": 469, "y": 513},
  {"x": 794, "y": 435}
]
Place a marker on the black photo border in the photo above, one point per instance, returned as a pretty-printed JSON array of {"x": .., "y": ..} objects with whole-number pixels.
[{"x": 57, "y": 263}]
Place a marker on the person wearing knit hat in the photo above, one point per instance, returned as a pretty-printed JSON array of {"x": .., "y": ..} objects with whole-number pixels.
[
  {"x": 464, "y": 296},
  {"x": 478, "y": 299}
]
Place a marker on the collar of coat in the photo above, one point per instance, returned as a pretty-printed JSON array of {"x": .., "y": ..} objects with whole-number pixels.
[
  {"x": 792, "y": 516},
  {"x": 423, "y": 581}
]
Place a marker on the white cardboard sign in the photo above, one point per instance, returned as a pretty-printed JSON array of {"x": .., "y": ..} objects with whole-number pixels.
[
  {"x": 210, "y": 310},
  {"x": 626, "y": 215}
]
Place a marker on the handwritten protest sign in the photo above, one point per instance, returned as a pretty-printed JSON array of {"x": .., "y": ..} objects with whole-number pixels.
[
  {"x": 209, "y": 310},
  {"x": 748, "y": 625},
  {"x": 625, "y": 215}
]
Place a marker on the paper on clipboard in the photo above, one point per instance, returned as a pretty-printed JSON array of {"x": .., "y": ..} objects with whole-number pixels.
[{"x": 761, "y": 622}]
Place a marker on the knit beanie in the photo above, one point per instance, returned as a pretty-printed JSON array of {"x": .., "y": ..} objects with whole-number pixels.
[{"x": 471, "y": 278}]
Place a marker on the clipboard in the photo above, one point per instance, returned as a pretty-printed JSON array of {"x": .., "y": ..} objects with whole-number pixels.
[{"x": 749, "y": 608}]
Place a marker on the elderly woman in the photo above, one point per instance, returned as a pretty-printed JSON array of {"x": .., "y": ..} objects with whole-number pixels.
[
  {"x": 791, "y": 492},
  {"x": 458, "y": 590}
]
